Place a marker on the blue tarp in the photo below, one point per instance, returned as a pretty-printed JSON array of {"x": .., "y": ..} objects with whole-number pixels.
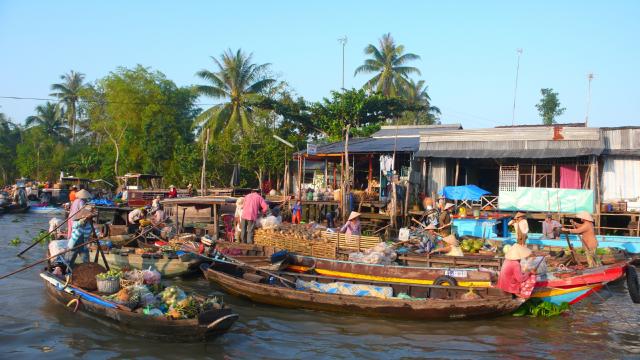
[{"x": 466, "y": 192}]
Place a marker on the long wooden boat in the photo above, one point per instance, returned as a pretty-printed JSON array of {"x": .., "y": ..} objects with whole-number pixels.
[
  {"x": 89, "y": 304},
  {"x": 389, "y": 273},
  {"x": 589, "y": 276},
  {"x": 16, "y": 209},
  {"x": 428, "y": 301},
  {"x": 167, "y": 267},
  {"x": 569, "y": 295}
]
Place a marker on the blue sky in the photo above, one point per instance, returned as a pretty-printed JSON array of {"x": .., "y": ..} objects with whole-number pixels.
[{"x": 468, "y": 48}]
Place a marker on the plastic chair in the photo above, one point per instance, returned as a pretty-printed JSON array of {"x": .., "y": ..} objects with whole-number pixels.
[{"x": 229, "y": 231}]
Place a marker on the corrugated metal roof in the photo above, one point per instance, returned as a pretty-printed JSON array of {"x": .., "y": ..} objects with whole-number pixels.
[
  {"x": 535, "y": 143},
  {"x": 371, "y": 145},
  {"x": 413, "y": 130},
  {"x": 621, "y": 141}
]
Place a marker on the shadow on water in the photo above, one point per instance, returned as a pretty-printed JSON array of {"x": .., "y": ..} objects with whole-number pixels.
[{"x": 603, "y": 326}]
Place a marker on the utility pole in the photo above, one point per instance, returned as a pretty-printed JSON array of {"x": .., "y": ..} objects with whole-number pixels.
[
  {"x": 515, "y": 90},
  {"x": 586, "y": 118},
  {"x": 343, "y": 41}
]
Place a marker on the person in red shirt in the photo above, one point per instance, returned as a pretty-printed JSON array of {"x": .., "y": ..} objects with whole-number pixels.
[
  {"x": 512, "y": 279},
  {"x": 253, "y": 203},
  {"x": 173, "y": 192}
]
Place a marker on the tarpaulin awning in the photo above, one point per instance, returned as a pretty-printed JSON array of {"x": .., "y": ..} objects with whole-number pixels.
[{"x": 465, "y": 192}]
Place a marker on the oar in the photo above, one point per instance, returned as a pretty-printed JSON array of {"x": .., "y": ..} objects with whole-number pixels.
[
  {"x": 573, "y": 252},
  {"x": 49, "y": 233},
  {"x": 241, "y": 263},
  {"x": 47, "y": 259}
]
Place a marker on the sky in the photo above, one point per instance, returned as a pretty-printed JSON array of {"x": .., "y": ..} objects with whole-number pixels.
[{"x": 467, "y": 49}]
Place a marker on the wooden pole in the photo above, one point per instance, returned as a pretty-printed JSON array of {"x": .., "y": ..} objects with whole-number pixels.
[
  {"x": 457, "y": 171},
  {"x": 533, "y": 180},
  {"x": 345, "y": 180},
  {"x": 203, "y": 187}
]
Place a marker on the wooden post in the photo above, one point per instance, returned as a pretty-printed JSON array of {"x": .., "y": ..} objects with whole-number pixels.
[
  {"x": 326, "y": 173},
  {"x": 553, "y": 175},
  {"x": 595, "y": 186},
  {"x": 215, "y": 220},
  {"x": 457, "y": 171},
  {"x": 177, "y": 219},
  {"x": 370, "y": 177},
  {"x": 345, "y": 182},
  {"x": 203, "y": 188},
  {"x": 533, "y": 177}
]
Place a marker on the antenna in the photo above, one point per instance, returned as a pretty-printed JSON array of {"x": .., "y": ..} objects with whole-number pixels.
[
  {"x": 590, "y": 77},
  {"x": 515, "y": 90},
  {"x": 343, "y": 41}
]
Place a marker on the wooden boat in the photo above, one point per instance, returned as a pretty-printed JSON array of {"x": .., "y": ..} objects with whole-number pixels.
[
  {"x": 569, "y": 295},
  {"x": 429, "y": 301},
  {"x": 167, "y": 267},
  {"x": 16, "y": 209},
  {"x": 588, "y": 276},
  {"x": 388, "y": 273},
  {"x": 89, "y": 304}
]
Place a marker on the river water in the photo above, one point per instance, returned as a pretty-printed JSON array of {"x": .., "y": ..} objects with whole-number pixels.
[{"x": 601, "y": 327}]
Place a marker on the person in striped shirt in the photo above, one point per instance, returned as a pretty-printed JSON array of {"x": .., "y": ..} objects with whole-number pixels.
[{"x": 81, "y": 234}]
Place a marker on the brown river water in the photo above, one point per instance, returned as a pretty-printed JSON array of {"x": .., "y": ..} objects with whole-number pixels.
[{"x": 601, "y": 327}]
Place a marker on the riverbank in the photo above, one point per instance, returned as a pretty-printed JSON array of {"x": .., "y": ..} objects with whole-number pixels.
[{"x": 31, "y": 326}]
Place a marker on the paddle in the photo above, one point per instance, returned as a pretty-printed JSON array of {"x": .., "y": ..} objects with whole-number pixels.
[
  {"x": 188, "y": 248},
  {"x": 49, "y": 233},
  {"x": 47, "y": 259},
  {"x": 573, "y": 252}
]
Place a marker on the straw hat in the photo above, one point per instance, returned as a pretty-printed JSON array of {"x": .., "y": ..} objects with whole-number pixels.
[
  {"x": 240, "y": 201},
  {"x": 83, "y": 194},
  {"x": 517, "y": 252},
  {"x": 172, "y": 186},
  {"x": 85, "y": 213},
  {"x": 449, "y": 206},
  {"x": 431, "y": 227},
  {"x": 353, "y": 215},
  {"x": 451, "y": 240},
  {"x": 519, "y": 215},
  {"x": 584, "y": 216}
]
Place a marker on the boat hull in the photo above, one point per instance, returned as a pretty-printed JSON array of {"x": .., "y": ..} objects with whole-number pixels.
[
  {"x": 592, "y": 276},
  {"x": 430, "y": 309},
  {"x": 135, "y": 323},
  {"x": 570, "y": 295}
]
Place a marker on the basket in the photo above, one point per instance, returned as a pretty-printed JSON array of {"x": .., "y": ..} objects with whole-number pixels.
[{"x": 108, "y": 286}]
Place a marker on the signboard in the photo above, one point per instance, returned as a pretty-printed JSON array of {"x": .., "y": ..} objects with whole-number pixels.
[{"x": 312, "y": 149}]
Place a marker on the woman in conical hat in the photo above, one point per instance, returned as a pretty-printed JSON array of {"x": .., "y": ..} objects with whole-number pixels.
[
  {"x": 521, "y": 226},
  {"x": 352, "y": 226},
  {"x": 512, "y": 279},
  {"x": 452, "y": 247}
]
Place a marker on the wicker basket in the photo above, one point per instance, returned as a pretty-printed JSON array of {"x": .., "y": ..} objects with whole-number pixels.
[{"x": 108, "y": 286}]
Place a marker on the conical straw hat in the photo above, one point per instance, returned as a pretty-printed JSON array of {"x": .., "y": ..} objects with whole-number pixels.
[
  {"x": 83, "y": 194},
  {"x": 451, "y": 240},
  {"x": 353, "y": 215},
  {"x": 517, "y": 252},
  {"x": 584, "y": 216}
]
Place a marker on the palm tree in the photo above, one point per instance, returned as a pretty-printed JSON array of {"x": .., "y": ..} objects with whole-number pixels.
[
  {"x": 388, "y": 62},
  {"x": 68, "y": 93},
  {"x": 416, "y": 96},
  {"x": 241, "y": 83},
  {"x": 49, "y": 118}
]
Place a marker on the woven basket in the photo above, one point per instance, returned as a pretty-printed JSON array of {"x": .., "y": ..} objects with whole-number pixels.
[{"x": 108, "y": 286}]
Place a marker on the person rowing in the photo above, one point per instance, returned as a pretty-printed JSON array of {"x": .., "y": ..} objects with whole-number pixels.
[
  {"x": 452, "y": 247},
  {"x": 521, "y": 226},
  {"x": 587, "y": 236}
]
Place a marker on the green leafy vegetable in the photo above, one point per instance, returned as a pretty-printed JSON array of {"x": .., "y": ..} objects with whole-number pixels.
[{"x": 539, "y": 308}]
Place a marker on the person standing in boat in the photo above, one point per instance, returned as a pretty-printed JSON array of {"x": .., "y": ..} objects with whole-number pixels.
[
  {"x": 238, "y": 219},
  {"x": 352, "y": 226},
  {"x": 430, "y": 216},
  {"x": 134, "y": 217},
  {"x": 512, "y": 279},
  {"x": 451, "y": 249},
  {"x": 72, "y": 193},
  {"x": 550, "y": 228},
  {"x": 521, "y": 226},
  {"x": 445, "y": 220},
  {"x": 253, "y": 203},
  {"x": 173, "y": 192},
  {"x": 81, "y": 233},
  {"x": 81, "y": 198},
  {"x": 587, "y": 235}
]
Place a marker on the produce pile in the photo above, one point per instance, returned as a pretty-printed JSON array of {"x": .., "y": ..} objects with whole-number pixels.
[
  {"x": 148, "y": 296},
  {"x": 292, "y": 231},
  {"x": 110, "y": 275},
  {"x": 472, "y": 245},
  {"x": 382, "y": 254}
]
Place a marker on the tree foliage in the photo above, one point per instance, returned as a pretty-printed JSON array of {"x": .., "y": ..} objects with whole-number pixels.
[{"x": 549, "y": 106}]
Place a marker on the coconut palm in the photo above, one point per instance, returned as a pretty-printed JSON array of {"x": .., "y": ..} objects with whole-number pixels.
[
  {"x": 241, "y": 84},
  {"x": 416, "y": 96},
  {"x": 388, "y": 62},
  {"x": 68, "y": 93},
  {"x": 49, "y": 119}
]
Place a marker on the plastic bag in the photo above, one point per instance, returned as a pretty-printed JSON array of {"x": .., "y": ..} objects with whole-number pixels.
[{"x": 151, "y": 276}]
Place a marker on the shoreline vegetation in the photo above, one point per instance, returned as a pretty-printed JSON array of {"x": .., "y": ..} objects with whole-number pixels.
[{"x": 138, "y": 120}]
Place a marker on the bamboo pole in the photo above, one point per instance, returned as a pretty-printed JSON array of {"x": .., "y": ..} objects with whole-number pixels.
[{"x": 204, "y": 165}]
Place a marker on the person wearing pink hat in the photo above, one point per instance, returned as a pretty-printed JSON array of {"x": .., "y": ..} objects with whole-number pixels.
[{"x": 587, "y": 235}]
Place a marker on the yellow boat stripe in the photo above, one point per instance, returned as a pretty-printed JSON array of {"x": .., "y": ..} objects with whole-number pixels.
[
  {"x": 385, "y": 279},
  {"x": 558, "y": 291}
]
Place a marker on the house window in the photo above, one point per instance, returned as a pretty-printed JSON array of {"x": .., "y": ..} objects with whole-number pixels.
[{"x": 508, "y": 178}]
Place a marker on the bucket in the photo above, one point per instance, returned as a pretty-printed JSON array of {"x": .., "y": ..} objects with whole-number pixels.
[{"x": 108, "y": 286}]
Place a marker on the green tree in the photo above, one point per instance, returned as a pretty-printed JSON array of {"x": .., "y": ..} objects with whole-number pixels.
[
  {"x": 549, "y": 106},
  {"x": 417, "y": 98},
  {"x": 239, "y": 82},
  {"x": 388, "y": 62},
  {"x": 49, "y": 119},
  {"x": 10, "y": 135},
  {"x": 68, "y": 93}
]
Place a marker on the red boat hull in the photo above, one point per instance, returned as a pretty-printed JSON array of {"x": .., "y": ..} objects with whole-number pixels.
[{"x": 601, "y": 274}]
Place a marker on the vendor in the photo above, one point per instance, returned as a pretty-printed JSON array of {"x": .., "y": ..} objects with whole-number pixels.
[
  {"x": 587, "y": 235},
  {"x": 445, "y": 220},
  {"x": 521, "y": 226},
  {"x": 73, "y": 193},
  {"x": 81, "y": 234},
  {"x": 253, "y": 204},
  {"x": 296, "y": 212},
  {"x": 158, "y": 215},
  {"x": 173, "y": 192},
  {"x": 430, "y": 216},
  {"x": 550, "y": 228},
  {"x": 352, "y": 226},
  {"x": 238, "y": 219},
  {"x": 512, "y": 279},
  {"x": 428, "y": 241},
  {"x": 134, "y": 217},
  {"x": 190, "y": 189},
  {"x": 81, "y": 198},
  {"x": 451, "y": 249}
]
